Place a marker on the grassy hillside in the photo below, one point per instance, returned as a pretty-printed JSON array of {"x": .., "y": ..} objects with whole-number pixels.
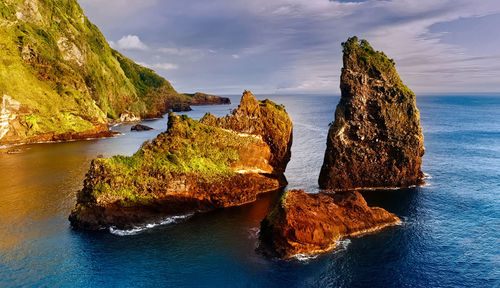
[{"x": 60, "y": 68}]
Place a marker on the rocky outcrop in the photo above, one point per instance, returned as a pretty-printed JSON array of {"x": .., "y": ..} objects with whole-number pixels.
[
  {"x": 18, "y": 120},
  {"x": 199, "y": 98},
  {"x": 140, "y": 127},
  {"x": 376, "y": 139},
  {"x": 9, "y": 111},
  {"x": 193, "y": 166},
  {"x": 308, "y": 224},
  {"x": 260, "y": 118},
  {"x": 127, "y": 116},
  {"x": 181, "y": 107}
]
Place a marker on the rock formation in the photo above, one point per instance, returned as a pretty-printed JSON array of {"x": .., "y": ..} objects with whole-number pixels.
[
  {"x": 193, "y": 166},
  {"x": 181, "y": 107},
  {"x": 140, "y": 127},
  {"x": 199, "y": 98},
  {"x": 308, "y": 224},
  {"x": 67, "y": 80},
  {"x": 376, "y": 139}
]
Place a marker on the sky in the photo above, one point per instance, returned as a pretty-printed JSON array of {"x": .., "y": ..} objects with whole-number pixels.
[{"x": 285, "y": 46}]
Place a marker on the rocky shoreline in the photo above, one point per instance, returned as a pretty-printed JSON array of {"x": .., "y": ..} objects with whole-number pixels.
[{"x": 100, "y": 130}]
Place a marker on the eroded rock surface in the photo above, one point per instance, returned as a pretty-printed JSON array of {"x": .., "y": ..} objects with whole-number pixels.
[
  {"x": 308, "y": 224},
  {"x": 193, "y": 166},
  {"x": 376, "y": 139}
]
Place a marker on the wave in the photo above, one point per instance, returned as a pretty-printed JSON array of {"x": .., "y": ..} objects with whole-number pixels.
[{"x": 139, "y": 229}]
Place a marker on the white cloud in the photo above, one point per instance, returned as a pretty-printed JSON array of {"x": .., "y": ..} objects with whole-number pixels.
[
  {"x": 129, "y": 42},
  {"x": 235, "y": 56},
  {"x": 160, "y": 66},
  {"x": 186, "y": 53}
]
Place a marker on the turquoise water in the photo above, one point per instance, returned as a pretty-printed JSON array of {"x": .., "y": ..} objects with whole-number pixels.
[{"x": 450, "y": 236}]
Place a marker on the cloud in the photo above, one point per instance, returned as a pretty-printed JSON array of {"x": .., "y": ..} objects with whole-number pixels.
[
  {"x": 129, "y": 42},
  {"x": 161, "y": 66},
  {"x": 186, "y": 53},
  {"x": 294, "y": 45}
]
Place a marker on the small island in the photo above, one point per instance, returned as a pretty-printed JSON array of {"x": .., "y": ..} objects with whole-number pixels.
[
  {"x": 308, "y": 224},
  {"x": 194, "y": 166}
]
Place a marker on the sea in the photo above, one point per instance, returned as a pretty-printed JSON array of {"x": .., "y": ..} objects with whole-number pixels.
[{"x": 449, "y": 235}]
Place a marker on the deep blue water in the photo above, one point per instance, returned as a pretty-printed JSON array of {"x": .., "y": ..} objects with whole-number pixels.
[{"x": 450, "y": 236}]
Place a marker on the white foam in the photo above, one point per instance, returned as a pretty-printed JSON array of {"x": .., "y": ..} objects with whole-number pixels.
[
  {"x": 139, "y": 229},
  {"x": 305, "y": 257},
  {"x": 340, "y": 245}
]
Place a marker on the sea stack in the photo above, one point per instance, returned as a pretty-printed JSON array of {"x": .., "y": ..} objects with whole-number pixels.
[
  {"x": 309, "y": 224},
  {"x": 376, "y": 140},
  {"x": 193, "y": 166}
]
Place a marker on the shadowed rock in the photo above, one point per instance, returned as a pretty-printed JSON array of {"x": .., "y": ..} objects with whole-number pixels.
[{"x": 140, "y": 127}]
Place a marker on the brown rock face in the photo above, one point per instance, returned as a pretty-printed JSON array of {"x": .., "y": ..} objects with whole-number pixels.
[
  {"x": 261, "y": 118},
  {"x": 194, "y": 166},
  {"x": 376, "y": 139},
  {"x": 309, "y": 224}
]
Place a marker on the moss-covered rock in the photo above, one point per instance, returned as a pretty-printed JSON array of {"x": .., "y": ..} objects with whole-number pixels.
[
  {"x": 376, "y": 139},
  {"x": 194, "y": 165}
]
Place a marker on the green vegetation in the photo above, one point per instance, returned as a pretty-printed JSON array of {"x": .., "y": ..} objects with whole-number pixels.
[
  {"x": 374, "y": 63},
  {"x": 61, "y": 68},
  {"x": 188, "y": 147}
]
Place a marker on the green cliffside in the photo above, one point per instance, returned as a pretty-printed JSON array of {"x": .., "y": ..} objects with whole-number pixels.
[{"x": 60, "y": 80}]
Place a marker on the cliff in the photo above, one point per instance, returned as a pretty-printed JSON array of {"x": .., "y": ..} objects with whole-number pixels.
[
  {"x": 60, "y": 80},
  {"x": 308, "y": 224},
  {"x": 376, "y": 139},
  {"x": 193, "y": 166}
]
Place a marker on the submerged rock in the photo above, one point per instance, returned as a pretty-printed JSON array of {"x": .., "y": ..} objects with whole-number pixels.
[
  {"x": 308, "y": 224},
  {"x": 376, "y": 139},
  {"x": 140, "y": 127},
  {"x": 193, "y": 166}
]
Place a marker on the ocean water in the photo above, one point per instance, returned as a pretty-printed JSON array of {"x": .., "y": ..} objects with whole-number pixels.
[{"x": 450, "y": 235}]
